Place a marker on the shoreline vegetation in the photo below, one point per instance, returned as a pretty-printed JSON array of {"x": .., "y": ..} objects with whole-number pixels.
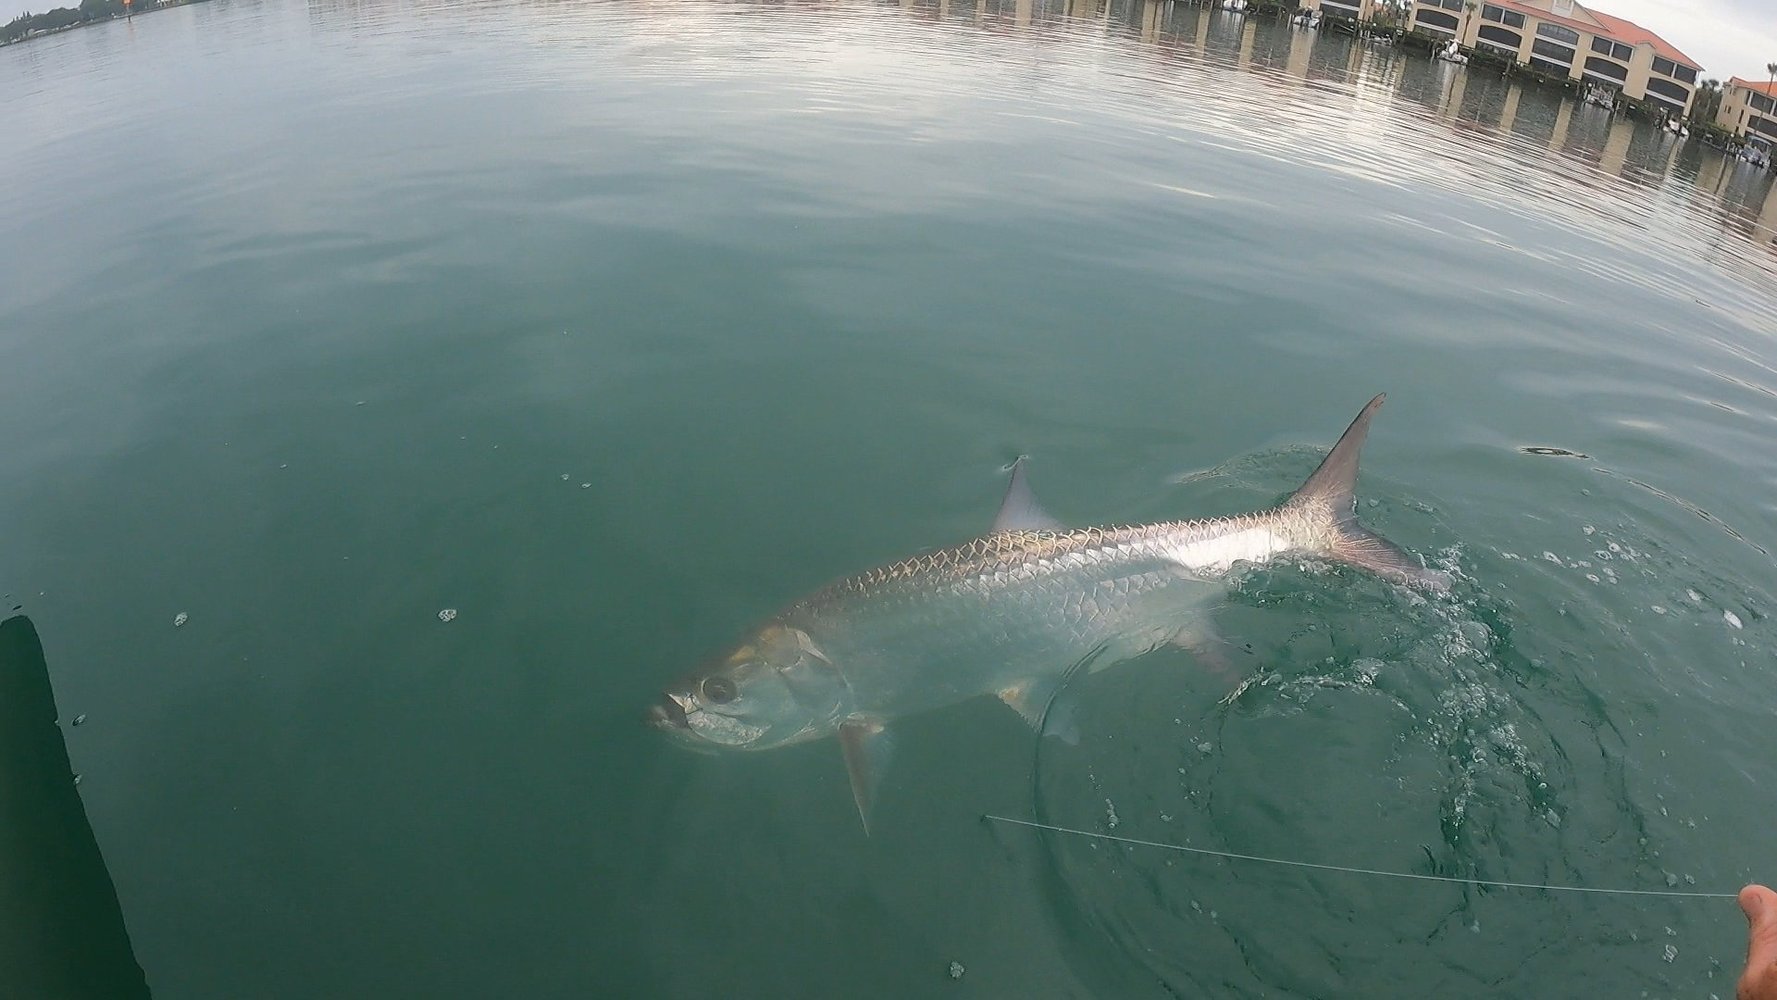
[{"x": 28, "y": 26}]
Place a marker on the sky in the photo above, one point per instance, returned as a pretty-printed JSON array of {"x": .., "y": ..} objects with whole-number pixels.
[{"x": 1728, "y": 37}]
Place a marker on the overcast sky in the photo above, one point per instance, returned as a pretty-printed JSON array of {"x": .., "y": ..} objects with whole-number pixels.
[{"x": 1728, "y": 37}]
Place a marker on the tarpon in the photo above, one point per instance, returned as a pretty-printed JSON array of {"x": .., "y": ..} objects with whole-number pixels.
[{"x": 1011, "y": 613}]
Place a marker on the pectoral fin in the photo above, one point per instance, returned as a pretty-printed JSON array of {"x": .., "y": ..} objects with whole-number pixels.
[
  {"x": 1047, "y": 714},
  {"x": 867, "y": 746},
  {"x": 1210, "y": 650}
]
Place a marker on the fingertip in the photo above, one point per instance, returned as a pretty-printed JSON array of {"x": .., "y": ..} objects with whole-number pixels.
[{"x": 1755, "y": 901}]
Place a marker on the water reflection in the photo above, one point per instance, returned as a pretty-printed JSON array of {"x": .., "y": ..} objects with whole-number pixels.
[
  {"x": 1529, "y": 121},
  {"x": 65, "y": 934},
  {"x": 1320, "y": 99},
  {"x": 764, "y": 234}
]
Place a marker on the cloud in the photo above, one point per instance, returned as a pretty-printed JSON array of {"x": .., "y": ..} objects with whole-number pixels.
[{"x": 1729, "y": 37}]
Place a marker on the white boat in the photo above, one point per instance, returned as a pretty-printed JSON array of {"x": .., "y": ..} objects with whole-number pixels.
[
  {"x": 1237, "y": 6},
  {"x": 1451, "y": 52},
  {"x": 1600, "y": 97}
]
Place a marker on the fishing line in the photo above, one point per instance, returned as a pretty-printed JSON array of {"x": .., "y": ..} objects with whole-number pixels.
[{"x": 1354, "y": 871}]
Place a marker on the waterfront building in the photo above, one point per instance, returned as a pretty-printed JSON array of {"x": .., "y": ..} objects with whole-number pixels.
[
  {"x": 1356, "y": 10},
  {"x": 1563, "y": 39},
  {"x": 1749, "y": 109}
]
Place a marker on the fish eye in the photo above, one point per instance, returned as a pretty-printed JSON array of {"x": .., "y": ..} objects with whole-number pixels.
[{"x": 719, "y": 690}]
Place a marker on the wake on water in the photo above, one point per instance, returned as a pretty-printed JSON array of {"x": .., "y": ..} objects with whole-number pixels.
[{"x": 1375, "y": 727}]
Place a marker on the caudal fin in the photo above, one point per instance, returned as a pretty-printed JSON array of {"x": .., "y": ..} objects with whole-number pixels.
[{"x": 1332, "y": 490}]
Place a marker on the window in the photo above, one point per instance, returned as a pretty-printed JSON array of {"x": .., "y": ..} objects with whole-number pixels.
[
  {"x": 1559, "y": 33},
  {"x": 1554, "y": 69},
  {"x": 1503, "y": 16},
  {"x": 1502, "y": 37},
  {"x": 1664, "y": 67},
  {"x": 1677, "y": 91},
  {"x": 1685, "y": 73},
  {"x": 1615, "y": 50},
  {"x": 1450, "y": 4},
  {"x": 1762, "y": 103},
  {"x": 1604, "y": 67},
  {"x": 1765, "y": 125},
  {"x": 1436, "y": 18},
  {"x": 1558, "y": 53}
]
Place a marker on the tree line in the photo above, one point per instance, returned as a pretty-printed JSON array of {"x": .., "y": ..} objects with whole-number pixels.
[{"x": 64, "y": 17}]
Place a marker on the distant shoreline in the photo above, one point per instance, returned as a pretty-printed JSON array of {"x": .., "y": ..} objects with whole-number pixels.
[{"x": 26, "y": 27}]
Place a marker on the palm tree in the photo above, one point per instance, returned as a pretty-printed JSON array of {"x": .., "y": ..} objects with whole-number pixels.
[
  {"x": 1707, "y": 102},
  {"x": 1771, "y": 68}
]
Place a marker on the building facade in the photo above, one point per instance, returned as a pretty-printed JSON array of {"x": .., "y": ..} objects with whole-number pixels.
[
  {"x": 1749, "y": 109},
  {"x": 1564, "y": 39},
  {"x": 1356, "y": 10}
]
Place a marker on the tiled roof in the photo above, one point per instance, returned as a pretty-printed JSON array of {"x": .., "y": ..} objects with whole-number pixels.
[
  {"x": 1538, "y": 12},
  {"x": 1764, "y": 87},
  {"x": 1627, "y": 32},
  {"x": 1630, "y": 33}
]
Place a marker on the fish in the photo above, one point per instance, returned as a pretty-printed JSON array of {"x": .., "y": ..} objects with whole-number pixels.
[{"x": 1013, "y": 613}]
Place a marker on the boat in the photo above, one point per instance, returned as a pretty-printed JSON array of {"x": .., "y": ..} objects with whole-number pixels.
[
  {"x": 1237, "y": 6},
  {"x": 1600, "y": 97},
  {"x": 1451, "y": 52}
]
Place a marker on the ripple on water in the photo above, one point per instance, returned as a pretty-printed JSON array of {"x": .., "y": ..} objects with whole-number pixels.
[
  {"x": 1508, "y": 731},
  {"x": 1380, "y": 729}
]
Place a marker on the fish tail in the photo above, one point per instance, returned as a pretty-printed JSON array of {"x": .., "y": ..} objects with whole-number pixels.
[{"x": 1332, "y": 492}]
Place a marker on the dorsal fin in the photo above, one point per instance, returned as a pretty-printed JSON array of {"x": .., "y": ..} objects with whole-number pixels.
[
  {"x": 1019, "y": 511},
  {"x": 1334, "y": 483}
]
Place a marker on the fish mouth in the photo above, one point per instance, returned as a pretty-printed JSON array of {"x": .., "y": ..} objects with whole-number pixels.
[{"x": 668, "y": 713}]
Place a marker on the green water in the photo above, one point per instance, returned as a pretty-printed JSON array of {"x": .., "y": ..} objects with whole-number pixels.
[{"x": 614, "y": 327}]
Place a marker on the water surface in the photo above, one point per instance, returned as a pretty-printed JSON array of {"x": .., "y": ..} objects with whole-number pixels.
[{"x": 614, "y": 327}]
